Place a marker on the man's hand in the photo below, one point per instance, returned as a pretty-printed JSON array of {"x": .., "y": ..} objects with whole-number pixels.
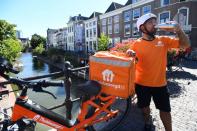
[{"x": 131, "y": 53}]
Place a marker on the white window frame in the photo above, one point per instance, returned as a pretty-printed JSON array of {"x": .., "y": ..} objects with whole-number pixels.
[
  {"x": 104, "y": 21},
  {"x": 109, "y": 29},
  {"x": 104, "y": 32},
  {"x": 162, "y": 3},
  {"x": 144, "y": 7},
  {"x": 94, "y": 32},
  {"x": 129, "y": 30},
  {"x": 116, "y": 19},
  {"x": 109, "y": 20},
  {"x": 133, "y": 13},
  {"x": 162, "y": 13},
  {"x": 94, "y": 23},
  {"x": 129, "y": 13},
  {"x": 118, "y": 25},
  {"x": 133, "y": 30},
  {"x": 187, "y": 22}
]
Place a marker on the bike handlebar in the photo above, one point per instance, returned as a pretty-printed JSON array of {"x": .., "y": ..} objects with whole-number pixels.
[
  {"x": 29, "y": 84},
  {"x": 6, "y": 67}
]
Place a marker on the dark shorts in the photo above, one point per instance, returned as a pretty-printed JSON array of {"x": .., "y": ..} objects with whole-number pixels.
[{"x": 160, "y": 97}]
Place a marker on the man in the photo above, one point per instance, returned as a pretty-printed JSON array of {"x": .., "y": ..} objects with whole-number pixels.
[{"x": 151, "y": 52}]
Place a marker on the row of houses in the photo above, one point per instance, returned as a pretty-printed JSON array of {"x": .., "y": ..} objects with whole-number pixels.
[{"x": 119, "y": 23}]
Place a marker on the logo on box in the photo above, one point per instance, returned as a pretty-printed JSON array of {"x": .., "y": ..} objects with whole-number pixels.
[{"x": 108, "y": 75}]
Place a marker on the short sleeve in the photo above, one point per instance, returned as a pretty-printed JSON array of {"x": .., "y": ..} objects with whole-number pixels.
[{"x": 170, "y": 42}]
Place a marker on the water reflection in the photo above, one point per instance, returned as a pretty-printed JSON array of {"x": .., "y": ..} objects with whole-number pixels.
[{"x": 38, "y": 65}]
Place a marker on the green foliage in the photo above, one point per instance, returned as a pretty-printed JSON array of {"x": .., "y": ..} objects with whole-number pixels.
[
  {"x": 39, "y": 49},
  {"x": 103, "y": 42},
  {"x": 121, "y": 47},
  {"x": 10, "y": 49},
  {"x": 7, "y": 30},
  {"x": 171, "y": 54},
  {"x": 36, "y": 40}
]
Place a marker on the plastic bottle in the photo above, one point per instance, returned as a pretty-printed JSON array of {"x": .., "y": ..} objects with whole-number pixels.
[{"x": 167, "y": 25}]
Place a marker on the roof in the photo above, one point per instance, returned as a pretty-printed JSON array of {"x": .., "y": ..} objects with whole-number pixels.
[
  {"x": 79, "y": 17},
  {"x": 128, "y": 2},
  {"x": 94, "y": 14},
  {"x": 113, "y": 6}
]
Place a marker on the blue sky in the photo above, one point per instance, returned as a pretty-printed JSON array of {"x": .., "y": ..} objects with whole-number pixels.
[{"x": 36, "y": 16}]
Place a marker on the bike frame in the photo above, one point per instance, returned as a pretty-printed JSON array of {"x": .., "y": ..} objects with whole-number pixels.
[
  {"x": 96, "y": 100},
  {"x": 24, "y": 107}
]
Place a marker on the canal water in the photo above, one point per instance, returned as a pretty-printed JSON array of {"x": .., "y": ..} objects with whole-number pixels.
[{"x": 33, "y": 67}]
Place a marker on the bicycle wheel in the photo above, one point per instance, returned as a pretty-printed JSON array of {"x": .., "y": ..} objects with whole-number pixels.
[{"x": 123, "y": 105}]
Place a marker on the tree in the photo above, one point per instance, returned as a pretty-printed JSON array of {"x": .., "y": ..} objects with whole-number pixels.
[
  {"x": 36, "y": 40},
  {"x": 103, "y": 42},
  {"x": 10, "y": 47},
  {"x": 7, "y": 30},
  {"x": 39, "y": 49}
]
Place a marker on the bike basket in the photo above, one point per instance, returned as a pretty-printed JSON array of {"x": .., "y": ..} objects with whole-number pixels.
[{"x": 114, "y": 71}]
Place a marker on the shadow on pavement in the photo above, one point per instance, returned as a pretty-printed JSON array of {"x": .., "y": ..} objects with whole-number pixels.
[
  {"x": 175, "y": 89},
  {"x": 192, "y": 64},
  {"x": 181, "y": 75}
]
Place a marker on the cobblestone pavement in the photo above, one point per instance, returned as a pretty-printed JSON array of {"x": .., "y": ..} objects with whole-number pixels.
[{"x": 182, "y": 85}]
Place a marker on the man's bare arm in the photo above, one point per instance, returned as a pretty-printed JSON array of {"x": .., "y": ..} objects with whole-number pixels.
[{"x": 183, "y": 39}]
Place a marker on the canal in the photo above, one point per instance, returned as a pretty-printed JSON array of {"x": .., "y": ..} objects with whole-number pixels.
[{"x": 33, "y": 67}]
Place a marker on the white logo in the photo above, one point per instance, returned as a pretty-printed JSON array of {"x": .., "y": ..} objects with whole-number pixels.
[
  {"x": 108, "y": 75},
  {"x": 159, "y": 44},
  {"x": 36, "y": 117},
  {"x": 45, "y": 121}
]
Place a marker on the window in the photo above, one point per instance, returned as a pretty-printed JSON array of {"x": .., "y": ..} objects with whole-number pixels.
[
  {"x": 90, "y": 46},
  {"x": 165, "y": 2},
  {"x": 127, "y": 29},
  {"x": 136, "y": 13},
  {"x": 134, "y": 1},
  {"x": 127, "y": 16},
  {"x": 164, "y": 17},
  {"x": 183, "y": 16},
  {"x": 109, "y": 20},
  {"x": 94, "y": 32},
  {"x": 87, "y": 33},
  {"x": 90, "y": 32},
  {"x": 116, "y": 19},
  {"x": 90, "y": 24},
  {"x": 87, "y": 25},
  {"x": 104, "y": 29},
  {"x": 135, "y": 30},
  {"x": 94, "y": 22},
  {"x": 95, "y": 47},
  {"x": 116, "y": 28},
  {"x": 182, "y": 0},
  {"x": 116, "y": 40},
  {"x": 109, "y": 29},
  {"x": 146, "y": 9},
  {"x": 104, "y": 21}
]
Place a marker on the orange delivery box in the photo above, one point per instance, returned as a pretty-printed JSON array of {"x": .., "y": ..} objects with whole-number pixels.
[{"x": 114, "y": 71}]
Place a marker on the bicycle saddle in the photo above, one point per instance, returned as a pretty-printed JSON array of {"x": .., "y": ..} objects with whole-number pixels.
[{"x": 89, "y": 88}]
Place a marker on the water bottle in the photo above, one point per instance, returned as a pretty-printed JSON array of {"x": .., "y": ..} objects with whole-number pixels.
[{"x": 168, "y": 25}]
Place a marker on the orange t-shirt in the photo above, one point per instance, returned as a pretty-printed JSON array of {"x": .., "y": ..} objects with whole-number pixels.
[{"x": 152, "y": 60}]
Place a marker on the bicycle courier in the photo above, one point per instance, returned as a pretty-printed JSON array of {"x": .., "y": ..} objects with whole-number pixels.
[{"x": 114, "y": 71}]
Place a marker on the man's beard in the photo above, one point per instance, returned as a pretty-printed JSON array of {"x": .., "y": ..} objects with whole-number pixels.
[{"x": 151, "y": 33}]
